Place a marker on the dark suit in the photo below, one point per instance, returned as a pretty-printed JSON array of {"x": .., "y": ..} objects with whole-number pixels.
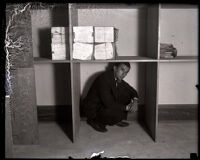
[{"x": 105, "y": 101}]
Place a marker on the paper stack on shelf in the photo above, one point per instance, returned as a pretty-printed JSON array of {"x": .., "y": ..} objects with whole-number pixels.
[
  {"x": 167, "y": 51},
  {"x": 89, "y": 40},
  {"x": 82, "y": 51},
  {"x": 83, "y": 42},
  {"x": 58, "y": 51},
  {"x": 104, "y": 47},
  {"x": 104, "y": 51},
  {"x": 83, "y": 34},
  {"x": 58, "y": 43},
  {"x": 104, "y": 34}
]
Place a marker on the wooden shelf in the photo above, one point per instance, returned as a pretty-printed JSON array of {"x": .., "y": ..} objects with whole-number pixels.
[
  {"x": 38, "y": 60},
  {"x": 178, "y": 6},
  {"x": 109, "y": 6},
  {"x": 180, "y": 59},
  {"x": 119, "y": 59}
]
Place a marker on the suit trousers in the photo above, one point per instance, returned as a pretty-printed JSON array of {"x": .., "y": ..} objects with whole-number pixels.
[{"x": 109, "y": 116}]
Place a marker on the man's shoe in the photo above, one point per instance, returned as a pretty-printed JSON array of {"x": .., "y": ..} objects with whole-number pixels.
[
  {"x": 97, "y": 126},
  {"x": 122, "y": 124}
]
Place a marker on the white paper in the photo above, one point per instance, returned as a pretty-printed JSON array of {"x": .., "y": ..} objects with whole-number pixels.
[
  {"x": 104, "y": 51},
  {"x": 56, "y": 38},
  {"x": 58, "y": 47},
  {"x": 82, "y": 51},
  {"x": 104, "y": 34},
  {"x": 83, "y": 34},
  {"x": 77, "y": 29},
  {"x": 58, "y": 51},
  {"x": 58, "y": 57}
]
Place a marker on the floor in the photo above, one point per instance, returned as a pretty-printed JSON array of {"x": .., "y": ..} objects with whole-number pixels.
[{"x": 175, "y": 139}]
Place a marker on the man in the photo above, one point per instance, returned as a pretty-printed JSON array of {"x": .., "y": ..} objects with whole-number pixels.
[{"x": 110, "y": 98}]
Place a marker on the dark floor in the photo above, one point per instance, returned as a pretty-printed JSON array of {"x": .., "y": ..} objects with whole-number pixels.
[{"x": 175, "y": 139}]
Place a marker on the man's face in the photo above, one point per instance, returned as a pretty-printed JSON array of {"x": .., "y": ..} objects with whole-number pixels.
[{"x": 121, "y": 71}]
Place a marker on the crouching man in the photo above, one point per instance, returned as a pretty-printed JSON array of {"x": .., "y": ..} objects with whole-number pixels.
[{"x": 110, "y": 98}]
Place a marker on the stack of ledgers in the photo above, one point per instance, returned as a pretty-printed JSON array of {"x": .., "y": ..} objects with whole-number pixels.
[
  {"x": 58, "y": 43},
  {"x": 93, "y": 42},
  {"x": 167, "y": 51}
]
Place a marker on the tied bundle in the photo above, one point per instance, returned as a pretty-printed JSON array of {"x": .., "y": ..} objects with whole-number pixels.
[{"x": 167, "y": 51}]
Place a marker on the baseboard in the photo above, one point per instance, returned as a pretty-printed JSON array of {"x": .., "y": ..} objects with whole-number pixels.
[
  {"x": 178, "y": 112},
  {"x": 165, "y": 113},
  {"x": 54, "y": 113}
]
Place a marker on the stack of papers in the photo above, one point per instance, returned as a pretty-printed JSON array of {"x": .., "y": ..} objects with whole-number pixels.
[
  {"x": 104, "y": 34},
  {"x": 58, "y": 51},
  {"x": 58, "y": 43},
  {"x": 83, "y": 34},
  {"x": 104, "y": 51},
  {"x": 82, "y": 51},
  {"x": 89, "y": 40},
  {"x": 58, "y": 34}
]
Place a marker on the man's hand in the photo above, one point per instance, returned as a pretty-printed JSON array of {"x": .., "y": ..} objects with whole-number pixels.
[{"x": 132, "y": 106}]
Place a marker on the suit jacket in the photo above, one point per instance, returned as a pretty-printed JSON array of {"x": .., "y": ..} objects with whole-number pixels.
[{"x": 104, "y": 93}]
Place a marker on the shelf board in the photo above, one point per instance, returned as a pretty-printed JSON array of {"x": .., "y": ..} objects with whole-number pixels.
[
  {"x": 39, "y": 60},
  {"x": 119, "y": 59},
  {"x": 178, "y": 6},
  {"x": 180, "y": 59},
  {"x": 110, "y": 6}
]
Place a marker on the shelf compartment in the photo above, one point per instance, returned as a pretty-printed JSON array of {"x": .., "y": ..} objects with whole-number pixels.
[
  {"x": 179, "y": 27},
  {"x": 42, "y": 20},
  {"x": 177, "y": 83},
  {"x": 53, "y": 84},
  {"x": 136, "y": 25}
]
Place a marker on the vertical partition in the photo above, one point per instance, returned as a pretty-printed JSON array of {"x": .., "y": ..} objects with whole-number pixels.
[
  {"x": 75, "y": 90},
  {"x": 75, "y": 75},
  {"x": 151, "y": 97}
]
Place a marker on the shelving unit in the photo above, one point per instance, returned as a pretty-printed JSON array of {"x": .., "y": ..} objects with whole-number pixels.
[
  {"x": 145, "y": 19},
  {"x": 142, "y": 27}
]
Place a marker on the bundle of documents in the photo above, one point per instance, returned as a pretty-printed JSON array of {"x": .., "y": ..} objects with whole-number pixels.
[
  {"x": 104, "y": 51},
  {"x": 104, "y": 34},
  {"x": 58, "y": 51},
  {"x": 89, "y": 40},
  {"x": 83, "y": 34},
  {"x": 58, "y": 43},
  {"x": 167, "y": 51},
  {"x": 82, "y": 51}
]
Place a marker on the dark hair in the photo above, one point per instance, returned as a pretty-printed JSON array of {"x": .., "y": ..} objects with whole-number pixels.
[{"x": 125, "y": 63}]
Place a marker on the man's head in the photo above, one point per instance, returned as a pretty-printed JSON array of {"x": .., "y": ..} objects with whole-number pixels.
[{"x": 121, "y": 69}]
